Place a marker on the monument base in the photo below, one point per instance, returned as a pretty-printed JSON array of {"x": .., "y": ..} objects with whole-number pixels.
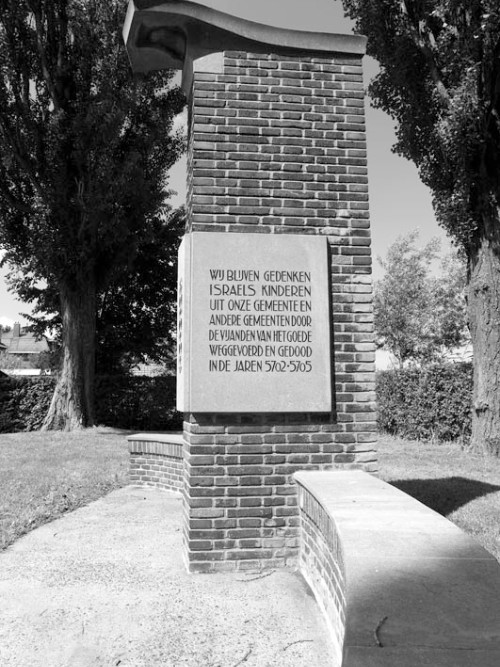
[
  {"x": 277, "y": 151},
  {"x": 240, "y": 497}
]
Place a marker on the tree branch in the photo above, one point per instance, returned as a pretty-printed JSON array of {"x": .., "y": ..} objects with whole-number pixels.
[
  {"x": 17, "y": 81},
  {"x": 423, "y": 42},
  {"x": 495, "y": 116},
  {"x": 492, "y": 113},
  {"x": 21, "y": 94},
  {"x": 15, "y": 203},
  {"x": 43, "y": 59},
  {"x": 21, "y": 160},
  {"x": 63, "y": 23}
]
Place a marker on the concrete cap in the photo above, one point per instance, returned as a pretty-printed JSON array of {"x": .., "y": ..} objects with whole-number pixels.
[
  {"x": 168, "y": 438},
  {"x": 419, "y": 591},
  {"x": 164, "y": 35}
]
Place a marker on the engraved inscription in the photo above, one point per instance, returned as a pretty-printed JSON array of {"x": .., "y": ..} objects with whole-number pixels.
[
  {"x": 255, "y": 326},
  {"x": 259, "y": 321}
]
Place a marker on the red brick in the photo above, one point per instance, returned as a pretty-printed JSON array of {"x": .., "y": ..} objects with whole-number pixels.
[{"x": 283, "y": 134}]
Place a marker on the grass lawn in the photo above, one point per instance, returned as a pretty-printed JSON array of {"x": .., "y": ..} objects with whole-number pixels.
[
  {"x": 44, "y": 475},
  {"x": 460, "y": 485}
]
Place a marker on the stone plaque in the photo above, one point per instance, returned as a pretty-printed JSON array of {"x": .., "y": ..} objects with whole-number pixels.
[{"x": 253, "y": 324}]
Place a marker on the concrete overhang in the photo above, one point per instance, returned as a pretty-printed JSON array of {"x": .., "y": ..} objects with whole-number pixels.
[{"x": 173, "y": 33}]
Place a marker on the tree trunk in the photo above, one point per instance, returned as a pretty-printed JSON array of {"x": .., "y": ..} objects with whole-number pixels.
[
  {"x": 484, "y": 318},
  {"x": 72, "y": 405}
]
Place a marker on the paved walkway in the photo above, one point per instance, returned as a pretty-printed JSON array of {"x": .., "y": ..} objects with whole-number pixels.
[{"x": 105, "y": 586}]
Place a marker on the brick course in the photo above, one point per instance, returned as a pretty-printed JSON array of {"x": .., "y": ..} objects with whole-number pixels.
[{"x": 277, "y": 146}]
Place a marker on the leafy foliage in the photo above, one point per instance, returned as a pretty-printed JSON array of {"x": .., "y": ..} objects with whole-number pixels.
[
  {"x": 136, "y": 313},
  {"x": 142, "y": 403},
  {"x": 84, "y": 150},
  {"x": 450, "y": 303},
  {"x": 420, "y": 316},
  {"x": 24, "y": 403},
  {"x": 123, "y": 402},
  {"x": 402, "y": 300},
  {"x": 439, "y": 78},
  {"x": 431, "y": 403}
]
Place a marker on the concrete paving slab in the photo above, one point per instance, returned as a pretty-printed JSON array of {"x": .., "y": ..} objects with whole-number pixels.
[
  {"x": 424, "y": 602},
  {"x": 105, "y": 586},
  {"x": 392, "y": 532},
  {"x": 419, "y": 657},
  {"x": 354, "y": 488}
]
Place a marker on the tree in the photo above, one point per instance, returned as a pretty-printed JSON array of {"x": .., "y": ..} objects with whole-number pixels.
[
  {"x": 402, "y": 300},
  {"x": 136, "y": 313},
  {"x": 440, "y": 80},
  {"x": 450, "y": 304},
  {"x": 84, "y": 149},
  {"x": 419, "y": 316}
]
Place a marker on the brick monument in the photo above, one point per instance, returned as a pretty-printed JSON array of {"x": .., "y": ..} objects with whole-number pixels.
[{"x": 276, "y": 357}]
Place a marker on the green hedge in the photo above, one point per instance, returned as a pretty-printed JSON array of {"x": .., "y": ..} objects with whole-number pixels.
[
  {"x": 424, "y": 404},
  {"x": 141, "y": 403},
  {"x": 432, "y": 403},
  {"x": 24, "y": 403},
  {"x": 135, "y": 403}
]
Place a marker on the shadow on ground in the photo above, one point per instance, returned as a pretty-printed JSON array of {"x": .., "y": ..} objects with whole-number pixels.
[{"x": 447, "y": 494}]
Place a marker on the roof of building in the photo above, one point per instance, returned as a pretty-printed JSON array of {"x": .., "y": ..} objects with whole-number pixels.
[
  {"x": 148, "y": 370},
  {"x": 18, "y": 341},
  {"x": 23, "y": 372}
]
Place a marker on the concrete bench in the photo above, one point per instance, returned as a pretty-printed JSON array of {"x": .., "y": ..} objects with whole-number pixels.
[
  {"x": 399, "y": 584},
  {"x": 156, "y": 459}
]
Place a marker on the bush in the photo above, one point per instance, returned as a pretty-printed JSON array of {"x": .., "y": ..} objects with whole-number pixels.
[
  {"x": 142, "y": 403},
  {"x": 24, "y": 403},
  {"x": 431, "y": 403},
  {"x": 135, "y": 403}
]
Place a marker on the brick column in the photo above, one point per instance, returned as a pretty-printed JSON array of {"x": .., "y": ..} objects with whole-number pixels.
[{"x": 277, "y": 146}]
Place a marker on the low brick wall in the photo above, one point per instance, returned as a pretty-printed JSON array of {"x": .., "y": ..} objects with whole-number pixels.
[
  {"x": 398, "y": 584},
  {"x": 156, "y": 459},
  {"x": 322, "y": 563}
]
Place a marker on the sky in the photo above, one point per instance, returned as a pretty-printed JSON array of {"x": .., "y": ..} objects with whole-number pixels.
[{"x": 399, "y": 203}]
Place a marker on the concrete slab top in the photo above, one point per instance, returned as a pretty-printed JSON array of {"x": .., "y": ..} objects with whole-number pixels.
[
  {"x": 164, "y": 34},
  {"x": 168, "y": 438},
  {"x": 413, "y": 579}
]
